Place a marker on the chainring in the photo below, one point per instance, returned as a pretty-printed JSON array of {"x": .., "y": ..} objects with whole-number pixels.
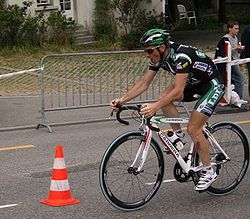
[{"x": 179, "y": 175}]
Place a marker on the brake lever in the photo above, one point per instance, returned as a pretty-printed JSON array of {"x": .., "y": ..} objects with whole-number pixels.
[{"x": 112, "y": 112}]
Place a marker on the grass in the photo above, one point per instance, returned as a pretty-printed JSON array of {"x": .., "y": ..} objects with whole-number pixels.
[
  {"x": 20, "y": 58},
  {"x": 23, "y": 58},
  {"x": 9, "y": 56},
  {"x": 17, "y": 59}
]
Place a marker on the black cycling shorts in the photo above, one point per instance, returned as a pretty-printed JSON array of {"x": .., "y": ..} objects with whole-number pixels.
[{"x": 208, "y": 95}]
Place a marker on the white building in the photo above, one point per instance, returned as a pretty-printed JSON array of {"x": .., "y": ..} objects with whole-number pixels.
[{"x": 79, "y": 10}]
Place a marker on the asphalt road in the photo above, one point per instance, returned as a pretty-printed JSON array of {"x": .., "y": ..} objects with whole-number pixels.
[{"x": 26, "y": 176}]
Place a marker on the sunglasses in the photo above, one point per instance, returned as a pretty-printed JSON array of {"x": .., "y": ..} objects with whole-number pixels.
[{"x": 150, "y": 51}]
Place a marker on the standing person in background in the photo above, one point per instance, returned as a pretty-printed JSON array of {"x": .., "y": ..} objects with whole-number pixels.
[
  {"x": 245, "y": 41},
  {"x": 237, "y": 77}
]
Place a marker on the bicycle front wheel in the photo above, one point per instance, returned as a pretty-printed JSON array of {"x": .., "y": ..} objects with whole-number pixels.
[
  {"x": 122, "y": 186},
  {"x": 230, "y": 172}
]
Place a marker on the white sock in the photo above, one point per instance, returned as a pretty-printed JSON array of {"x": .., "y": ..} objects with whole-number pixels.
[
  {"x": 208, "y": 169},
  {"x": 179, "y": 133}
]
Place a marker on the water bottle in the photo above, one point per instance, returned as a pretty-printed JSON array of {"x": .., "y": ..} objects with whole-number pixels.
[{"x": 175, "y": 140}]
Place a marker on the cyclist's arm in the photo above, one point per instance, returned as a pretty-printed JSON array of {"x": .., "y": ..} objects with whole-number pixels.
[
  {"x": 137, "y": 89},
  {"x": 175, "y": 94}
]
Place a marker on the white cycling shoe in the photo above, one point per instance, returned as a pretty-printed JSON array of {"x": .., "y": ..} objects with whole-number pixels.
[{"x": 206, "y": 179}]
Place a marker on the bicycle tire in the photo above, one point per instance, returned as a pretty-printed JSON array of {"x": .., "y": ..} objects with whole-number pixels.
[
  {"x": 234, "y": 142},
  {"x": 123, "y": 189}
]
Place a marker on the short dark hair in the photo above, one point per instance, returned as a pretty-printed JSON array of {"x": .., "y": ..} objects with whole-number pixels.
[{"x": 230, "y": 24}]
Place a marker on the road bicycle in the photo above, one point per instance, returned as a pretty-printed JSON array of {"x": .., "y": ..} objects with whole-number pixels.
[{"x": 132, "y": 169}]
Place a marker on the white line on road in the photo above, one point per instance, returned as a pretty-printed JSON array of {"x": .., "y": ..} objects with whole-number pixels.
[
  {"x": 7, "y": 206},
  {"x": 169, "y": 180},
  {"x": 165, "y": 181}
]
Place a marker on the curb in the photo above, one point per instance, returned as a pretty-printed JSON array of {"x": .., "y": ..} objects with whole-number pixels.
[
  {"x": 16, "y": 128},
  {"x": 232, "y": 109}
]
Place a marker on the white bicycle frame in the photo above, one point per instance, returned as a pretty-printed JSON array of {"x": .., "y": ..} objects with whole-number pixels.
[{"x": 186, "y": 166}]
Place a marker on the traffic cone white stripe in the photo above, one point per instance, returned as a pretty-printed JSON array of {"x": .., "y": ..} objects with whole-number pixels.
[
  {"x": 59, "y": 185},
  {"x": 59, "y": 163}
]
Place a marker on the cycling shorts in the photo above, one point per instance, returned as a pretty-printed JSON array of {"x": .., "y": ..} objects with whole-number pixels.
[{"x": 208, "y": 95}]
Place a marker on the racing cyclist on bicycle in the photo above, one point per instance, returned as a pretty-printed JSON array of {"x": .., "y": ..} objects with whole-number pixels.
[{"x": 196, "y": 78}]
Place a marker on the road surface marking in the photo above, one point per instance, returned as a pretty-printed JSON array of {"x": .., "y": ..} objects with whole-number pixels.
[
  {"x": 165, "y": 181},
  {"x": 240, "y": 122},
  {"x": 7, "y": 206},
  {"x": 169, "y": 180},
  {"x": 17, "y": 147}
]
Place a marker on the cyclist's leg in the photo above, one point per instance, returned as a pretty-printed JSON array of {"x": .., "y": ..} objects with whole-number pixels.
[
  {"x": 194, "y": 129},
  {"x": 196, "y": 122},
  {"x": 212, "y": 94},
  {"x": 170, "y": 110}
]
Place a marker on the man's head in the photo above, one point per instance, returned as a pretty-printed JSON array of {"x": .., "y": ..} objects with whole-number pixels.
[
  {"x": 155, "y": 37},
  {"x": 155, "y": 43},
  {"x": 233, "y": 28}
]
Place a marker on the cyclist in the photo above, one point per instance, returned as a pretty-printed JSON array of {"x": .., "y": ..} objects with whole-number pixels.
[{"x": 196, "y": 78}]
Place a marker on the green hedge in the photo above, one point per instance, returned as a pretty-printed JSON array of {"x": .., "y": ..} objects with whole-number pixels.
[{"x": 19, "y": 28}]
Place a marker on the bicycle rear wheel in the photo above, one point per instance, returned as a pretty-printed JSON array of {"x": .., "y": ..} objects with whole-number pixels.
[
  {"x": 121, "y": 185},
  {"x": 230, "y": 173}
]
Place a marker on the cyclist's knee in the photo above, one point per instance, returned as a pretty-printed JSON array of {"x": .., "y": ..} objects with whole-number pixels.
[
  {"x": 190, "y": 130},
  {"x": 193, "y": 131}
]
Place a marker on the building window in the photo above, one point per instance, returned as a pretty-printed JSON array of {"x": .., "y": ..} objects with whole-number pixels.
[
  {"x": 65, "y": 4},
  {"x": 43, "y": 2}
]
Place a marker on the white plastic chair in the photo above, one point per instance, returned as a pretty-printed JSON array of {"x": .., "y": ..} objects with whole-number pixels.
[{"x": 184, "y": 14}]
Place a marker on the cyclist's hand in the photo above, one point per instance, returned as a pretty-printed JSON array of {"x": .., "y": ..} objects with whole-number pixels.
[
  {"x": 148, "y": 110},
  {"x": 114, "y": 103}
]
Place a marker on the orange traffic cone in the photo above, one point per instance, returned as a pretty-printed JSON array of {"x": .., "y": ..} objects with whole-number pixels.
[{"x": 59, "y": 189}]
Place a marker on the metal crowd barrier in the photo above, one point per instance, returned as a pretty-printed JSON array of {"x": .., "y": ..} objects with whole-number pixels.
[{"x": 82, "y": 80}]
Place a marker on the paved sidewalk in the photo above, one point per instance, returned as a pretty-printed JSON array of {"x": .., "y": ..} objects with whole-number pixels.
[{"x": 23, "y": 113}]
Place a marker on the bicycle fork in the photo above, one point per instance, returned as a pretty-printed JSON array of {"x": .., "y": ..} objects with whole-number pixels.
[{"x": 143, "y": 151}]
